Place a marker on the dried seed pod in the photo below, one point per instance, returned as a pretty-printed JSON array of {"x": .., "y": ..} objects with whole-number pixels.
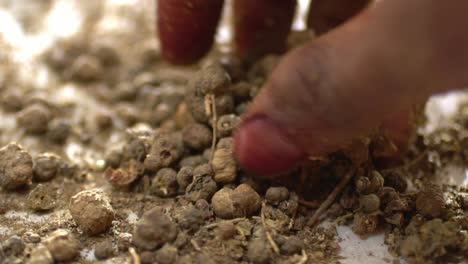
[
  {"x": 376, "y": 182},
  {"x": 212, "y": 79},
  {"x": 184, "y": 178},
  {"x": 197, "y": 136},
  {"x": 362, "y": 184},
  {"x": 194, "y": 161},
  {"x": 124, "y": 176},
  {"x": 365, "y": 224},
  {"x": 226, "y": 142},
  {"x": 395, "y": 219},
  {"x": 85, "y": 69},
  {"x": 164, "y": 183},
  {"x": 387, "y": 194},
  {"x": 430, "y": 202},
  {"x": 241, "y": 90},
  {"x": 397, "y": 205},
  {"x": 58, "y": 130},
  {"x": 165, "y": 151},
  {"x": 153, "y": 230},
  {"x": 369, "y": 203},
  {"x": 396, "y": 179},
  {"x": 203, "y": 186},
  {"x": 224, "y": 164},
  {"x": 136, "y": 149},
  {"x": 240, "y": 202},
  {"x": 276, "y": 195},
  {"x": 226, "y": 124}
]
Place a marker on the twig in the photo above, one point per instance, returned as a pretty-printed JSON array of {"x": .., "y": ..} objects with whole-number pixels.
[
  {"x": 195, "y": 245},
  {"x": 293, "y": 218},
  {"x": 304, "y": 258},
  {"x": 310, "y": 204},
  {"x": 214, "y": 125},
  {"x": 135, "y": 257},
  {"x": 273, "y": 244},
  {"x": 331, "y": 197}
]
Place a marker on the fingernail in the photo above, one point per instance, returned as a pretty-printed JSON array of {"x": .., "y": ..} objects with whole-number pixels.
[{"x": 263, "y": 148}]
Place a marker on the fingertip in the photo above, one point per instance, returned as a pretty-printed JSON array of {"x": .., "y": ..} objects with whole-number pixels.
[
  {"x": 262, "y": 148},
  {"x": 262, "y": 26},
  {"x": 186, "y": 29}
]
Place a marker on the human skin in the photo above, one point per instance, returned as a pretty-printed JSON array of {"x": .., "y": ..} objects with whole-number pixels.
[{"x": 364, "y": 73}]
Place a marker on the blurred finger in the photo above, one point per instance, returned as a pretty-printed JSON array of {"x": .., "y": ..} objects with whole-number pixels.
[
  {"x": 187, "y": 27},
  {"x": 262, "y": 26},
  {"x": 325, "y": 15}
]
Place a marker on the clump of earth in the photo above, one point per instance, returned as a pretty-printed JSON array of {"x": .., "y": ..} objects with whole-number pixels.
[{"x": 138, "y": 165}]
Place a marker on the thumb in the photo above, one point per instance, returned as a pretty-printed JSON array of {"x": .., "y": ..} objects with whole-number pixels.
[{"x": 339, "y": 87}]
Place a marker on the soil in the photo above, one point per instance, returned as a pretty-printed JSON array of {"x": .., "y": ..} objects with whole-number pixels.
[{"x": 109, "y": 155}]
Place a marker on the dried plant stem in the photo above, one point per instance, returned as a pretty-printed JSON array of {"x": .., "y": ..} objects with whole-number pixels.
[
  {"x": 273, "y": 244},
  {"x": 135, "y": 257},
  {"x": 331, "y": 197}
]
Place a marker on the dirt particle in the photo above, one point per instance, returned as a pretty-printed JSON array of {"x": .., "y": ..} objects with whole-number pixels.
[
  {"x": 276, "y": 195},
  {"x": 34, "y": 118},
  {"x": 164, "y": 184},
  {"x": 103, "y": 121},
  {"x": 430, "y": 201},
  {"x": 104, "y": 250},
  {"x": 92, "y": 211},
  {"x": 13, "y": 246},
  {"x": 153, "y": 230},
  {"x": 62, "y": 246},
  {"x": 433, "y": 239},
  {"x": 292, "y": 245},
  {"x": 30, "y": 237},
  {"x": 166, "y": 255},
  {"x": 147, "y": 257},
  {"x": 191, "y": 219},
  {"x": 365, "y": 224},
  {"x": 12, "y": 101},
  {"x": 16, "y": 167},
  {"x": 46, "y": 167},
  {"x": 240, "y": 202},
  {"x": 41, "y": 255},
  {"x": 42, "y": 198}
]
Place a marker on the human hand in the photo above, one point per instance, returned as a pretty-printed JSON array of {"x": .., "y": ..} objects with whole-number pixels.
[{"x": 366, "y": 73}]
